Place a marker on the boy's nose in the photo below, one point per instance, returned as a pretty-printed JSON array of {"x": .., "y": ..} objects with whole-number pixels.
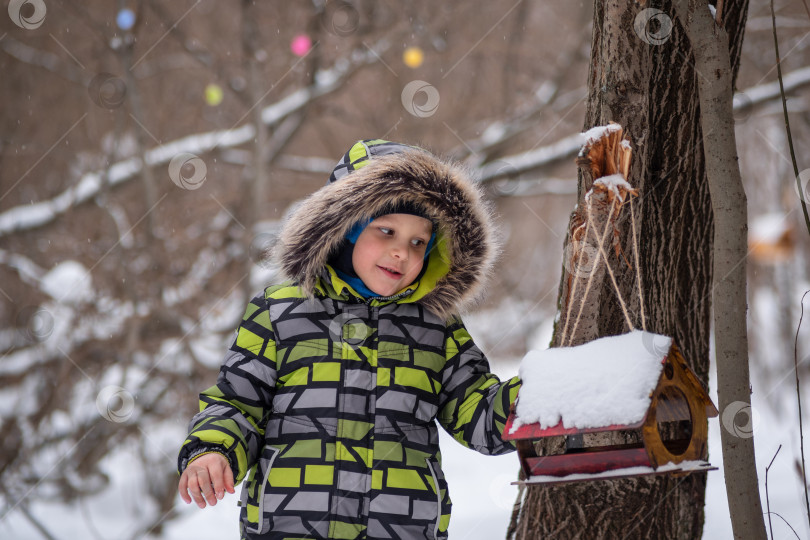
[{"x": 400, "y": 252}]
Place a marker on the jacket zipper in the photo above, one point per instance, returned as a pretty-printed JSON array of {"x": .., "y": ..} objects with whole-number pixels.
[
  {"x": 260, "y": 501},
  {"x": 386, "y": 298},
  {"x": 438, "y": 498}
]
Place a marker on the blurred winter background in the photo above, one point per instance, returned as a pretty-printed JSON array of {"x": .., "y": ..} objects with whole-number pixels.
[{"x": 150, "y": 149}]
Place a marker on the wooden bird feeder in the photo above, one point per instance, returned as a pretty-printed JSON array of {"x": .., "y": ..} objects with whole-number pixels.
[
  {"x": 671, "y": 437},
  {"x": 617, "y": 406}
]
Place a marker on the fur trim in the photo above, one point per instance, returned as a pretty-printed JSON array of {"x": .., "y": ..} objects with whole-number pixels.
[{"x": 317, "y": 226}]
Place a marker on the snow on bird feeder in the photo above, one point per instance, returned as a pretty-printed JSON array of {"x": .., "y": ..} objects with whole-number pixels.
[
  {"x": 617, "y": 406},
  {"x": 623, "y": 405}
]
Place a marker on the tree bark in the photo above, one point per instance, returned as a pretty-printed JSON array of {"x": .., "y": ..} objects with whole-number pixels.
[{"x": 650, "y": 88}]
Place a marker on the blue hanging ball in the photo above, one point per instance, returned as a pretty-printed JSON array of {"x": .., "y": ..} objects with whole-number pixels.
[{"x": 125, "y": 19}]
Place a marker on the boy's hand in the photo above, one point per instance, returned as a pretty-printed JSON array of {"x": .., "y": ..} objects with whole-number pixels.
[{"x": 206, "y": 479}]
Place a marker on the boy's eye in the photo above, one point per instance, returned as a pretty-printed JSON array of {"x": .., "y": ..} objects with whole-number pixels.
[{"x": 416, "y": 242}]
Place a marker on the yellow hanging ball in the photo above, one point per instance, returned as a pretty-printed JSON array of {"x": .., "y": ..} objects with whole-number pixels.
[
  {"x": 213, "y": 94},
  {"x": 413, "y": 57}
]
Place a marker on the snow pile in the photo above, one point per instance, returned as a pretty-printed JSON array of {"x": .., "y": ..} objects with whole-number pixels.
[
  {"x": 604, "y": 382},
  {"x": 69, "y": 283},
  {"x": 613, "y": 182},
  {"x": 596, "y": 133}
]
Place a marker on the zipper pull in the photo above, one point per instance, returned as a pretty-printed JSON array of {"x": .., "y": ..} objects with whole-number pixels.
[{"x": 385, "y": 298}]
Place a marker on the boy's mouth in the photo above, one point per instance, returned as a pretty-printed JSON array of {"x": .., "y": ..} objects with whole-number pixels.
[{"x": 390, "y": 271}]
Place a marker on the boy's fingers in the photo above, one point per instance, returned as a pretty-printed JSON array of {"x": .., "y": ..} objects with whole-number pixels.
[
  {"x": 205, "y": 483},
  {"x": 194, "y": 483},
  {"x": 206, "y": 490},
  {"x": 182, "y": 487},
  {"x": 228, "y": 478},
  {"x": 218, "y": 481}
]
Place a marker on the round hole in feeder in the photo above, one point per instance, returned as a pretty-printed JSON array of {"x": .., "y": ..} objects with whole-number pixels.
[
  {"x": 669, "y": 372},
  {"x": 674, "y": 420}
]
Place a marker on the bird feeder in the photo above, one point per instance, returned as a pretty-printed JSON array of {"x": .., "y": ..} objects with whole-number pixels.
[{"x": 669, "y": 437}]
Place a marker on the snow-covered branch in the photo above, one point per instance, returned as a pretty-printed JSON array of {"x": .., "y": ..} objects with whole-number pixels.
[
  {"x": 30, "y": 216},
  {"x": 768, "y": 91},
  {"x": 29, "y": 271},
  {"x": 43, "y": 59},
  {"x": 570, "y": 145},
  {"x": 533, "y": 159}
]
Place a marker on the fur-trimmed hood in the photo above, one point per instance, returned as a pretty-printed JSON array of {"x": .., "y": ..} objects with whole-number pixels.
[{"x": 465, "y": 247}]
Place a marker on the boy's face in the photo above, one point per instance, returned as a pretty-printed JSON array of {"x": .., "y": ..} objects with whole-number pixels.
[{"x": 389, "y": 253}]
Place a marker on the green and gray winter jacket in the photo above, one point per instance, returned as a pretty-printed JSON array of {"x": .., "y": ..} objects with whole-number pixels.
[{"x": 326, "y": 403}]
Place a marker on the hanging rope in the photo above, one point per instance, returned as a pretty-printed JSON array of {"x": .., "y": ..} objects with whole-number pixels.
[
  {"x": 576, "y": 280},
  {"x": 606, "y": 155},
  {"x": 638, "y": 267},
  {"x": 595, "y": 264},
  {"x": 612, "y": 276}
]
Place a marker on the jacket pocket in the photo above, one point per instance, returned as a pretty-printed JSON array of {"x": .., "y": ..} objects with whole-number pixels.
[
  {"x": 252, "y": 498},
  {"x": 443, "y": 504}
]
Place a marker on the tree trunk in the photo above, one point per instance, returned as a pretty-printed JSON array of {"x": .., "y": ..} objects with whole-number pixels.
[
  {"x": 646, "y": 82},
  {"x": 730, "y": 211}
]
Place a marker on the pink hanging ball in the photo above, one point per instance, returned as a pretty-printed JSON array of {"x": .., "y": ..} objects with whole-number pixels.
[{"x": 300, "y": 45}]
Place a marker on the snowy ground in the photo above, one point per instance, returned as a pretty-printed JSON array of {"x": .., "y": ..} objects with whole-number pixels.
[{"x": 480, "y": 488}]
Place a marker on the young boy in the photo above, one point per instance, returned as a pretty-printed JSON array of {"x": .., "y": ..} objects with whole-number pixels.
[{"x": 327, "y": 398}]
